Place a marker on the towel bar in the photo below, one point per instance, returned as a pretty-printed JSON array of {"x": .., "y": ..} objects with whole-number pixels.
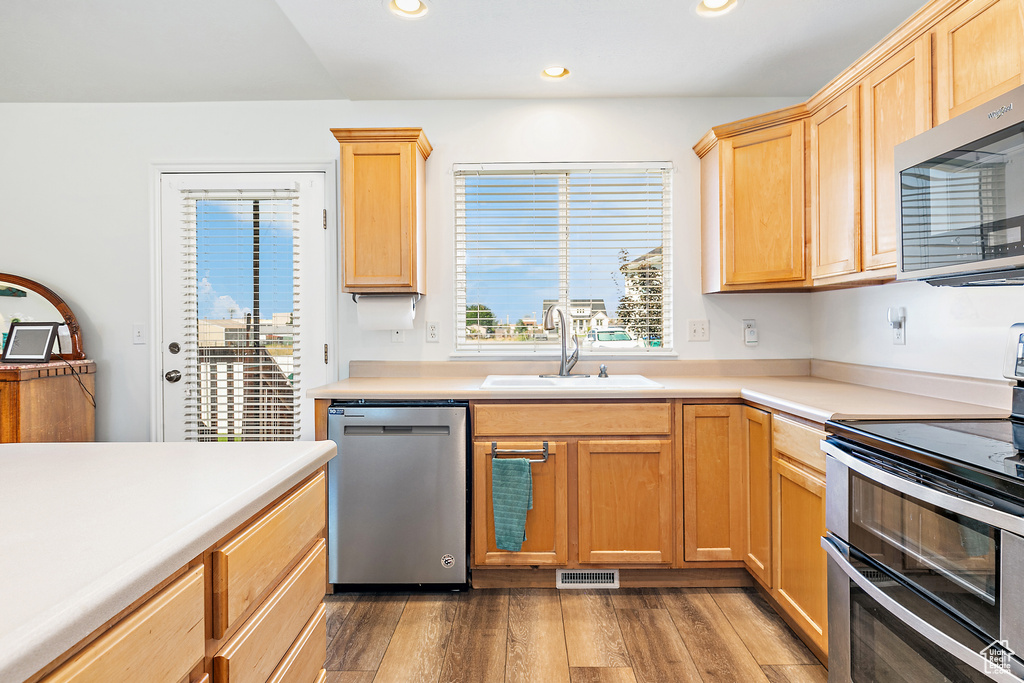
[{"x": 495, "y": 452}]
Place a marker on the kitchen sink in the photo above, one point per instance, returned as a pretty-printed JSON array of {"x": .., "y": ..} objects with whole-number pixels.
[{"x": 570, "y": 382}]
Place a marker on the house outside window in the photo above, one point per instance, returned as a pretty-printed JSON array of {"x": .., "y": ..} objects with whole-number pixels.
[{"x": 591, "y": 239}]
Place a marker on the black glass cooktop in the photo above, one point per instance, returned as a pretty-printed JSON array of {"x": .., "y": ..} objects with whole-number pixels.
[{"x": 986, "y": 452}]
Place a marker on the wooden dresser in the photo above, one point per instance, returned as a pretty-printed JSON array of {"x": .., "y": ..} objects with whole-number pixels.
[{"x": 46, "y": 402}]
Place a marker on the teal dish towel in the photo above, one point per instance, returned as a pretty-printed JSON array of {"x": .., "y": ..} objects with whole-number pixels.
[{"x": 512, "y": 496}]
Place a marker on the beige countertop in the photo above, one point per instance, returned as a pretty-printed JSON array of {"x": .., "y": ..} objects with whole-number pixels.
[
  {"x": 87, "y": 529},
  {"x": 812, "y": 398}
]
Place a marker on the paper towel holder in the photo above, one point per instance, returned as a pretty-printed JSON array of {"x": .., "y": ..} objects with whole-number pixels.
[{"x": 355, "y": 299}]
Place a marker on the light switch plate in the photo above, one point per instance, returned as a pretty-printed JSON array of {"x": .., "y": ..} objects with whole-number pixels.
[
  {"x": 138, "y": 333},
  {"x": 698, "y": 330}
]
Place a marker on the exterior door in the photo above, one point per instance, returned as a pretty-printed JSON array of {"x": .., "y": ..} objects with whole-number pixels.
[{"x": 244, "y": 316}]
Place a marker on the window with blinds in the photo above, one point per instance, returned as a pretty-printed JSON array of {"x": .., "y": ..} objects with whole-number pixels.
[
  {"x": 241, "y": 360},
  {"x": 593, "y": 240}
]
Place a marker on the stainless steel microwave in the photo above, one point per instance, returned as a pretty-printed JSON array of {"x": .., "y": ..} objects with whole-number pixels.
[{"x": 961, "y": 198}]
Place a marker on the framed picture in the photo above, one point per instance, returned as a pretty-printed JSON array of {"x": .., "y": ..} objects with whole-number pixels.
[{"x": 29, "y": 342}]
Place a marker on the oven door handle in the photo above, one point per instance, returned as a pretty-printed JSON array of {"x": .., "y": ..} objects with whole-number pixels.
[
  {"x": 961, "y": 506},
  {"x": 965, "y": 654}
]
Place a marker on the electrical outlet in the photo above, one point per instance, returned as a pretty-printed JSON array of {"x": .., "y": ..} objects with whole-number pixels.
[
  {"x": 397, "y": 336},
  {"x": 433, "y": 332},
  {"x": 750, "y": 332},
  {"x": 699, "y": 330},
  {"x": 899, "y": 335}
]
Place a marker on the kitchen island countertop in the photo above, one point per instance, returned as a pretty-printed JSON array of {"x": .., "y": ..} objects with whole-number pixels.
[{"x": 87, "y": 529}]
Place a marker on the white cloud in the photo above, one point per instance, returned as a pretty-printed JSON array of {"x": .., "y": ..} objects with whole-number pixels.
[{"x": 213, "y": 306}]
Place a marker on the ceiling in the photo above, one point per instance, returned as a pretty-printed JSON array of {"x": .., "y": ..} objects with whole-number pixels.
[{"x": 217, "y": 50}]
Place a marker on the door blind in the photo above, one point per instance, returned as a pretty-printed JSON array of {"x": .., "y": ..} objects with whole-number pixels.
[
  {"x": 242, "y": 339},
  {"x": 594, "y": 240}
]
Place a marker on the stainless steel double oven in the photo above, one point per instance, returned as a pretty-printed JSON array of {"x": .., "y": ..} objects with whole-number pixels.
[{"x": 925, "y": 549}]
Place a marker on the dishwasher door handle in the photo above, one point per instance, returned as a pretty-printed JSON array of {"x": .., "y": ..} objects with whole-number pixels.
[{"x": 396, "y": 430}]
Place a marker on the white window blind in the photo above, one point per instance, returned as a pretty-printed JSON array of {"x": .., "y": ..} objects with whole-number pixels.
[
  {"x": 594, "y": 240},
  {"x": 241, "y": 347}
]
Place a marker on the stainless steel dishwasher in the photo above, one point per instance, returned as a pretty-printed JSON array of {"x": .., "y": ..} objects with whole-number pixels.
[{"x": 397, "y": 493}]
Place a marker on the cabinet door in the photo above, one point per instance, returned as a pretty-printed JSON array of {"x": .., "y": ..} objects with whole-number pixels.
[
  {"x": 835, "y": 187},
  {"x": 625, "y": 501},
  {"x": 545, "y": 542},
  {"x": 799, "y": 523},
  {"x": 378, "y": 182},
  {"x": 383, "y": 208},
  {"x": 757, "y": 432},
  {"x": 897, "y": 105},
  {"x": 978, "y": 55},
  {"x": 714, "y": 506},
  {"x": 763, "y": 236}
]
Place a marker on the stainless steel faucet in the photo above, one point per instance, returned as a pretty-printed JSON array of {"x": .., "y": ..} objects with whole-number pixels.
[{"x": 568, "y": 360}]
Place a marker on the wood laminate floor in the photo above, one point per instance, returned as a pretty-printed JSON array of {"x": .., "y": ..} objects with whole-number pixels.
[{"x": 638, "y": 635}]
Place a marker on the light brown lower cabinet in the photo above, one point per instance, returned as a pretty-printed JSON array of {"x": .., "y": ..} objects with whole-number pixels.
[
  {"x": 253, "y": 653},
  {"x": 546, "y": 525},
  {"x": 714, "y": 504},
  {"x": 757, "y": 482},
  {"x": 160, "y": 641},
  {"x": 625, "y": 501},
  {"x": 800, "y": 585},
  {"x": 265, "y": 591},
  {"x": 605, "y": 494}
]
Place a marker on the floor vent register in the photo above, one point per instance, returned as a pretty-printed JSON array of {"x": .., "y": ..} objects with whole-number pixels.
[{"x": 578, "y": 578}]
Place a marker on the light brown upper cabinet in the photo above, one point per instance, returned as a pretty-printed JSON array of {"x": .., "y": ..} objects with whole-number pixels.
[
  {"x": 979, "y": 54},
  {"x": 753, "y": 222},
  {"x": 897, "y": 105},
  {"x": 835, "y": 187},
  {"x": 948, "y": 57},
  {"x": 383, "y": 208}
]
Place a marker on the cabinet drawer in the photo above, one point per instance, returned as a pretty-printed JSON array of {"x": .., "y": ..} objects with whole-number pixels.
[
  {"x": 160, "y": 641},
  {"x": 305, "y": 659},
  {"x": 246, "y": 566},
  {"x": 596, "y": 419},
  {"x": 798, "y": 442},
  {"x": 257, "y": 649}
]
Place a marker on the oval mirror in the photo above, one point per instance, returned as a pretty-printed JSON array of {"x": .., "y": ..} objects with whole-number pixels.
[{"x": 25, "y": 300}]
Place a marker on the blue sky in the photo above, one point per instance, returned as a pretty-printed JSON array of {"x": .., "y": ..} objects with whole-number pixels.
[
  {"x": 224, "y": 263},
  {"x": 512, "y": 234}
]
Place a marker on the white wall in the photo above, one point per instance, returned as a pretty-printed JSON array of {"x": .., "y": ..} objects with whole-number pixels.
[
  {"x": 950, "y": 330},
  {"x": 80, "y": 209}
]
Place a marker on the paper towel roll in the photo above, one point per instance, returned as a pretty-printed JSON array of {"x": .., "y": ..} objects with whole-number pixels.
[{"x": 386, "y": 311}]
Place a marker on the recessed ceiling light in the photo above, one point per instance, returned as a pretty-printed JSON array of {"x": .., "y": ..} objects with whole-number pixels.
[
  {"x": 555, "y": 72},
  {"x": 714, "y": 8},
  {"x": 408, "y": 8}
]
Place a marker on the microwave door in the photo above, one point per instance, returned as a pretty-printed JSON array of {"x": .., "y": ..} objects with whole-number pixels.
[{"x": 960, "y": 196}]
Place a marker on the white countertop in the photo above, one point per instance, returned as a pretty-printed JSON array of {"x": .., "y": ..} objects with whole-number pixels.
[
  {"x": 812, "y": 398},
  {"x": 87, "y": 529}
]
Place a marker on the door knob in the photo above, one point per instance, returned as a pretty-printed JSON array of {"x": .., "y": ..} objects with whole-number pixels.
[{"x": 172, "y": 376}]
